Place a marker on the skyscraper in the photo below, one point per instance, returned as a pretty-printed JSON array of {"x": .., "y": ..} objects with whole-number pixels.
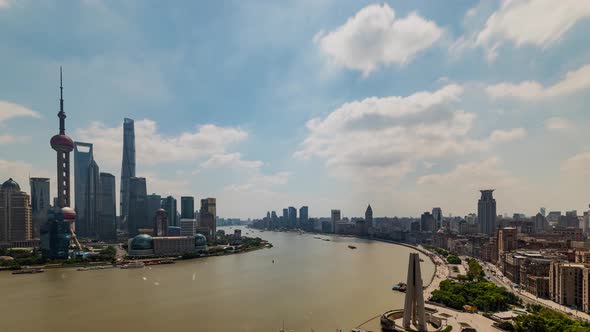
[
  {"x": 208, "y": 215},
  {"x": 39, "y": 202},
  {"x": 187, "y": 207},
  {"x": 128, "y": 166},
  {"x": 169, "y": 204},
  {"x": 303, "y": 216},
  {"x": 427, "y": 222},
  {"x": 369, "y": 216},
  {"x": 437, "y": 214},
  {"x": 137, "y": 217},
  {"x": 86, "y": 181},
  {"x": 107, "y": 215},
  {"x": 292, "y": 216},
  {"x": 15, "y": 213},
  {"x": 336, "y": 216},
  {"x": 154, "y": 203},
  {"x": 486, "y": 212}
]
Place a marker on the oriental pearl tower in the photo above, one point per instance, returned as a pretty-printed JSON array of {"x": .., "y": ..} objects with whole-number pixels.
[{"x": 63, "y": 145}]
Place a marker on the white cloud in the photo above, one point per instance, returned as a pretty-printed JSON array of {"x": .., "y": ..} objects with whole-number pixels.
[
  {"x": 9, "y": 139},
  {"x": 479, "y": 174},
  {"x": 231, "y": 160},
  {"x": 20, "y": 171},
  {"x": 5, "y": 3},
  {"x": 379, "y": 139},
  {"x": 10, "y": 110},
  {"x": 152, "y": 147},
  {"x": 534, "y": 22},
  {"x": 261, "y": 183},
  {"x": 573, "y": 81},
  {"x": 374, "y": 37},
  {"x": 558, "y": 124},
  {"x": 578, "y": 165}
]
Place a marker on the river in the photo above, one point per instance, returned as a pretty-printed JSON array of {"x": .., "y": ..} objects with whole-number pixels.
[{"x": 312, "y": 285}]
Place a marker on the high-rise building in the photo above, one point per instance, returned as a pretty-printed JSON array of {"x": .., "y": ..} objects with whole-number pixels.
[
  {"x": 137, "y": 217},
  {"x": 154, "y": 203},
  {"x": 369, "y": 217},
  {"x": 274, "y": 220},
  {"x": 507, "y": 239},
  {"x": 438, "y": 217},
  {"x": 107, "y": 213},
  {"x": 86, "y": 181},
  {"x": 286, "y": 214},
  {"x": 128, "y": 166},
  {"x": 427, "y": 222},
  {"x": 15, "y": 213},
  {"x": 208, "y": 215},
  {"x": 187, "y": 207},
  {"x": 569, "y": 220},
  {"x": 569, "y": 285},
  {"x": 543, "y": 211},
  {"x": 303, "y": 216},
  {"x": 335, "y": 217},
  {"x": 486, "y": 212},
  {"x": 187, "y": 226},
  {"x": 39, "y": 203},
  {"x": 169, "y": 204},
  {"x": 292, "y": 217},
  {"x": 161, "y": 223}
]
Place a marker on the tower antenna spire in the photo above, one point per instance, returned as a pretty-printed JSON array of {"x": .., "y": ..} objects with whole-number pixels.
[{"x": 61, "y": 114}]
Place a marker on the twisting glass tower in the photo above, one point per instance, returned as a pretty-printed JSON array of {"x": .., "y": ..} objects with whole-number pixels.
[{"x": 127, "y": 167}]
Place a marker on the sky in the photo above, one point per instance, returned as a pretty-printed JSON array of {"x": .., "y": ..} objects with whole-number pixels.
[{"x": 333, "y": 104}]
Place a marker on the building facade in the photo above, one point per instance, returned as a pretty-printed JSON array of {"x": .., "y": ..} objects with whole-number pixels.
[
  {"x": 208, "y": 215},
  {"x": 137, "y": 216},
  {"x": 15, "y": 213},
  {"x": 169, "y": 204},
  {"x": 127, "y": 166},
  {"x": 86, "y": 185},
  {"x": 107, "y": 214},
  {"x": 187, "y": 207},
  {"x": 39, "y": 203},
  {"x": 486, "y": 212}
]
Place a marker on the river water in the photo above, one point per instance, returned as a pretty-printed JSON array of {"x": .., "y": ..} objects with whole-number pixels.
[{"x": 312, "y": 285}]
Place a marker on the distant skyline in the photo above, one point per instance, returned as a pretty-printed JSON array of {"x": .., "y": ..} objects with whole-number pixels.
[{"x": 320, "y": 103}]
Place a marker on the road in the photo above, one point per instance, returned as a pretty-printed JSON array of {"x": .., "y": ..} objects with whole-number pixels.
[{"x": 529, "y": 298}]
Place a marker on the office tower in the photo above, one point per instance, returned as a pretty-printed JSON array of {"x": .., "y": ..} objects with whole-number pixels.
[
  {"x": 286, "y": 214},
  {"x": 15, "y": 213},
  {"x": 414, "y": 314},
  {"x": 303, "y": 216},
  {"x": 169, "y": 204},
  {"x": 187, "y": 207},
  {"x": 63, "y": 145},
  {"x": 107, "y": 212},
  {"x": 486, "y": 212},
  {"x": 161, "y": 223},
  {"x": 437, "y": 214},
  {"x": 427, "y": 222},
  {"x": 542, "y": 211},
  {"x": 39, "y": 203},
  {"x": 208, "y": 215},
  {"x": 154, "y": 203},
  {"x": 292, "y": 217},
  {"x": 127, "y": 167},
  {"x": 274, "y": 220},
  {"x": 137, "y": 217},
  {"x": 369, "y": 216},
  {"x": 541, "y": 224},
  {"x": 86, "y": 180},
  {"x": 188, "y": 226},
  {"x": 507, "y": 239},
  {"x": 570, "y": 219},
  {"x": 335, "y": 216},
  {"x": 553, "y": 217}
]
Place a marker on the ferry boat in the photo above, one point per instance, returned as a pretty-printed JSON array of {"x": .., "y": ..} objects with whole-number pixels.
[
  {"x": 98, "y": 267},
  {"x": 167, "y": 261},
  {"x": 401, "y": 287},
  {"x": 28, "y": 271},
  {"x": 133, "y": 265},
  {"x": 352, "y": 247}
]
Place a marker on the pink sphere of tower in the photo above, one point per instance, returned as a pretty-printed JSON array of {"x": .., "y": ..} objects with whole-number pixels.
[
  {"x": 62, "y": 143},
  {"x": 69, "y": 214}
]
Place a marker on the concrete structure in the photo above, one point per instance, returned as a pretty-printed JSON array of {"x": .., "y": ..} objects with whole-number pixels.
[
  {"x": 414, "y": 313},
  {"x": 144, "y": 245},
  {"x": 127, "y": 166},
  {"x": 569, "y": 220},
  {"x": 486, "y": 212},
  {"x": 569, "y": 285},
  {"x": 507, "y": 239},
  {"x": 187, "y": 226},
  {"x": 39, "y": 203},
  {"x": 86, "y": 184},
  {"x": 335, "y": 217},
  {"x": 438, "y": 217},
  {"x": 107, "y": 208},
  {"x": 208, "y": 215},
  {"x": 137, "y": 208},
  {"x": 427, "y": 222},
  {"x": 369, "y": 217},
  {"x": 15, "y": 213},
  {"x": 161, "y": 223}
]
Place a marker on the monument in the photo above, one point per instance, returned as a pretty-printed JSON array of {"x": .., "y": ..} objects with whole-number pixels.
[{"x": 414, "y": 313}]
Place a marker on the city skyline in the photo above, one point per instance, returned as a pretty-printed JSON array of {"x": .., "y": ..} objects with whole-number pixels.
[{"x": 495, "y": 105}]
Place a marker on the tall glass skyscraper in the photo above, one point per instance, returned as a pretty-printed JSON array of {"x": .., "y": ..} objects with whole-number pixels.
[
  {"x": 137, "y": 217},
  {"x": 169, "y": 204},
  {"x": 86, "y": 177},
  {"x": 39, "y": 202},
  {"x": 486, "y": 212},
  {"x": 128, "y": 165},
  {"x": 154, "y": 203},
  {"x": 187, "y": 207},
  {"x": 107, "y": 216}
]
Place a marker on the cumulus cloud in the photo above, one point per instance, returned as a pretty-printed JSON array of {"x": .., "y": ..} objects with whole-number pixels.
[
  {"x": 479, "y": 174},
  {"x": 21, "y": 170},
  {"x": 578, "y": 165},
  {"x": 558, "y": 124},
  {"x": 10, "y": 110},
  {"x": 375, "y": 37},
  {"x": 534, "y": 22},
  {"x": 9, "y": 139},
  {"x": 573, "y": 81},
  {"x": 153, "y": 147},
  {"x": 230, "y": 160},
  {"x": 261, "y": 183},
  {"x": 382, "y": 138}
]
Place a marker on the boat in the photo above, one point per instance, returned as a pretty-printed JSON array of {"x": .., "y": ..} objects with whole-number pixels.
[
  {"x": 352, "y": 247},
  {"x": 98, "y": 267},
  {"x": 133, "y": 265},
  {"x": 28, "y": 271},
  {"x": 401, "y": 287},
  {"x": 326, "y": 239},
  {"x": 167, "y": 261}
]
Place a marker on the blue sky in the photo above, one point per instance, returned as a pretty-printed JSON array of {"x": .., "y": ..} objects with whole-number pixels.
[{"x": 330, "y": 104}]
